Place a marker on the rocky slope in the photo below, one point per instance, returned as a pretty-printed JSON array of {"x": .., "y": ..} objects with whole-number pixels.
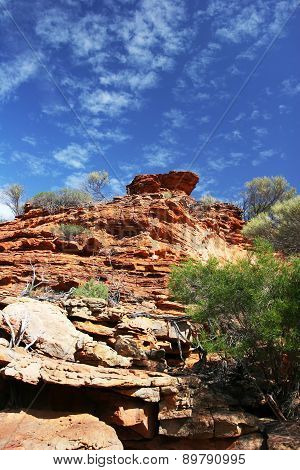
[
  {"x": 130, "y": 242},
  {"x": 125, "y": 368}
]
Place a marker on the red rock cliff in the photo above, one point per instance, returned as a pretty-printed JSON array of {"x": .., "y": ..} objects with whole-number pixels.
[{"x": 132, "y": 241}]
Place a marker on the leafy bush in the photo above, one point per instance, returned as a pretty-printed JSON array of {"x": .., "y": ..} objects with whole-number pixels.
[
  {"x": 61, "y": 199},
  {"x": 281, "y": 226},
  {"x": 263, "y": 192},
  {"x": 69, "y": 231},
  {"x": 92, "y": 288},
  {"x": 248, "y": 310}
]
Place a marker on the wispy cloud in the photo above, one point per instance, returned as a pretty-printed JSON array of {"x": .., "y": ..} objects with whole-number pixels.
[
  {"x": 264, "y": 155},
  {"x": 35, "y": 164},
  {"x": 220, "y": 163},
  {"x": 175, "y": 118},
  {"x": 111, "y": 103},
  {"x": 157, "y": 156},
  {"x": 29, "y": 140},
  {"x": 16, "y": 72},
  {"x": 291, "y": 86},
  {"x": 73, "y": 156}
]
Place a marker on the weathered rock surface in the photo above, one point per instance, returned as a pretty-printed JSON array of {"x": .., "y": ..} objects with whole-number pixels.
[
  {"x": 45, "y": 326},
  {"x": 39, "y": 430},
  {"x": 173, "y": 181},
  {"x": 126, "y": 361},
  {"x": 135, "y": 239}
]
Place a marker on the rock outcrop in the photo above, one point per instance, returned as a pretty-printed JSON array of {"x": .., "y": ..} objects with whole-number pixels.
[
  {"x": 130, "y": 242},
  {"x": 122, "y": 372},
  {"x": 184, "y": 181}
]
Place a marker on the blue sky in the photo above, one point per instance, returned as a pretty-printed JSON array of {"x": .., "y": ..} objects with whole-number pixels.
[{"x": 137, "y": 86}]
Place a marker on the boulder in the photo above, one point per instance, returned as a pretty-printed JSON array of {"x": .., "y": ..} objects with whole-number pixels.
[
  {"x": 40, "y": 430},
  {"x": 99, "y": 354},
  {"x": 45, "y": 326},
  {"x": 173, "y": 181}
]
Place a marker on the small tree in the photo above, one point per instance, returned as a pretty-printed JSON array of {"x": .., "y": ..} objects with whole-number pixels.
[
  {"x": 263, "y": 192},
  {"x": 248, "y": 310},
  {"x": 281, "y": 226},
  {"x": 13, "y": 198},
  {"x": 64, "y": 198},
  {"x": 94, "y": 184}
]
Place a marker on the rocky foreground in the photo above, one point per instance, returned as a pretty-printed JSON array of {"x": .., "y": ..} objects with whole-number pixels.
[{"x": 83, "y": 373}]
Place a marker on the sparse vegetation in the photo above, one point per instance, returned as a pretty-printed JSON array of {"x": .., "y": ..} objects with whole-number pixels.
[
  {"x": 64, "y": 198},
  {"x": 70, "y": 231},
  {"x": 92, "y": 288},
  {"x": 250, "y": 311},
  {"x": 94, "y": 184},
  {"x": 13, "y": 195},
  {"x": 263, "y": 192},
  {"x": 280, "y": 226}
]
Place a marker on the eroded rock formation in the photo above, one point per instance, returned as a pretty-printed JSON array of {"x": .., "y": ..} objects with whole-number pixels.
[
  {"x": 124, "y": 367},
  {"x": 131, "y": 241}
]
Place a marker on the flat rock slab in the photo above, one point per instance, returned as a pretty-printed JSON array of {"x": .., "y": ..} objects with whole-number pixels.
[
  {"x": 33, "y": 369},
  {"x": 40, "y": 430}
]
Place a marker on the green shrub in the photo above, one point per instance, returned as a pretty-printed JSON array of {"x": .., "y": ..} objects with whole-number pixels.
[
  {"x": 248, "y": 310},
  {"x": 92, "y": 288},
  {"x": 280, "y": 226},
  {"x": 61, "y": 199},
  {"x": 69, "y": 231}
]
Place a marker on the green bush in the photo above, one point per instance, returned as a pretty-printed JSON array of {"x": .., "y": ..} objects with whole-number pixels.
[
  {"x": 92, "y": 288},
  {"x": 61, "y": 199},
  {"x": 69, "y": 231},
  {"x": 280, "y": 226},
  {"x": 248, "y": 310}
]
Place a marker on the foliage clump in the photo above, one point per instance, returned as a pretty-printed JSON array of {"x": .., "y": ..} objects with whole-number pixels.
[
  {"x": 92, "y": 288},
  {"x": 64, "y": 198},
  {"x": 280, "y": 226},
  {"x": 70, "y": 231},
  {"x": 248, "y": 310},
  {"x": 263, "y": 192}
]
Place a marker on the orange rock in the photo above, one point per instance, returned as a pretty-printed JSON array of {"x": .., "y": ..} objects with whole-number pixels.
[{"x": 132, "y": 241}]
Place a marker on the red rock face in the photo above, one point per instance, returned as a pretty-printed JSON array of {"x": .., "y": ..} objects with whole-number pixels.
[
  {"x": 131, "y": 241},
  {"x": 173, "y": 181}
]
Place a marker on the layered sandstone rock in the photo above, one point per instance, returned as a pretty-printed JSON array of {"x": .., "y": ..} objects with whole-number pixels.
[
  {"x": 37, "y": 430},
  {"x": 184, "y": 181},
  {"x": 131, "y": 242},
  {"x": 127, "y": 361}
]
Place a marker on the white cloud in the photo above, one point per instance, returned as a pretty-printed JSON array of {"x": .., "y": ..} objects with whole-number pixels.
[
  {"x": 35, "y": 164},
  {"x": 131, "y": 78},
  {"x": 157, "y": 156},
  {"x": 29, "y": 140},
  {"x": 263, "y": 155},
  {"x": 291, "y": 86},
  {"x": 218, "y": 164},
  {"x": 175, "y": 118},
  {"x": 107, "y": 102},
  {"x": 260, "y": 131},
  {"x": 73, "y": 156},
  {"x": 116, "y": 187},
  {"x": 16, "y": 72},
  {"x": 75, "y": 180}
]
